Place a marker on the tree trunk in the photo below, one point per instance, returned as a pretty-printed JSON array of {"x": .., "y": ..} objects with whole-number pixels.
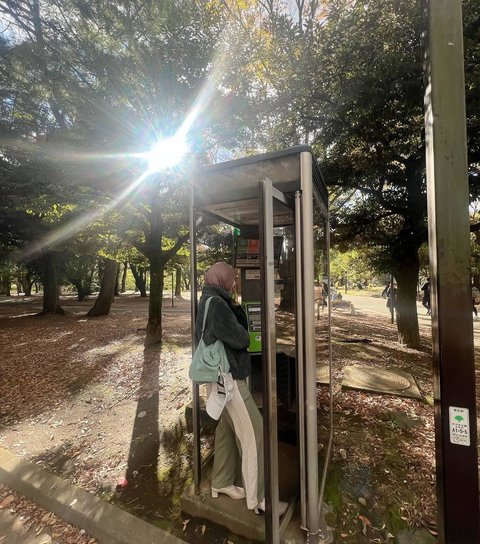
[
  {"x": 116, "y": 291},
  {"x": 28, "y": 283},
  {"x": 41, "y": 58},
  {"x": 154, "y": 326},
  {"x": 51, "y": 299},
  {"x": 139, "y": 281},
  {"x": 5, "y": 284},
  {"x": 286, "y": 271},
  {"x": 287, "y": 302},
  {"x": 104, "y": 300},
  {"x": 81, "y": 293},
  {"x": 28, "y": 288},
  {"x": 78, "y": 284},
  {"x": 88, "y": 284},
  {"x": 178, "y": 281},
  {"x": 406, "y": 274},
  {"x": 124, "y": 277}
]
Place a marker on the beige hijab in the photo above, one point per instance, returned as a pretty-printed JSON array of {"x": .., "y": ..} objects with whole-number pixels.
[{"x": 222, "y": 275}]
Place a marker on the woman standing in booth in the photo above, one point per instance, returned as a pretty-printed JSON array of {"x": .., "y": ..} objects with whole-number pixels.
[{"x": 240, "y": 422}]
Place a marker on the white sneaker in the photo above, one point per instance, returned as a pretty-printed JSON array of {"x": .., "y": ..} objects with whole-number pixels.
[{"x": 233, "y": 491}]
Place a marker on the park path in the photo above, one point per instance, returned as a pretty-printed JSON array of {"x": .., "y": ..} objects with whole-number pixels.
[{"x": 367, "y": 304}]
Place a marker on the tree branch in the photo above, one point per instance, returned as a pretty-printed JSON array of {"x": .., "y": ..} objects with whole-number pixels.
[{"x": 176, "y": 247}]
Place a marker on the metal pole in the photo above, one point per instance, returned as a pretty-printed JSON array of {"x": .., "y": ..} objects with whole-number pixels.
[
  {"x": 324, "y": 530},
  {"x": 309, "y": 350},
  {"x": 300, "y": 366},
  {"x": 197, "y": 454},
  {"x": 452, "y": 334},
  {"x": 173, "y": 290},
  {"x": 269, "y": 364}
]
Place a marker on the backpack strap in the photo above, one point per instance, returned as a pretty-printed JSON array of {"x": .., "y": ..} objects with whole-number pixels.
[{"x": 205, "y": 315}]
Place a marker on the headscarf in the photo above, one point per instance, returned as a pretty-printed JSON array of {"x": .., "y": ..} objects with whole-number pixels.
[{"x": 222, "y": 275}]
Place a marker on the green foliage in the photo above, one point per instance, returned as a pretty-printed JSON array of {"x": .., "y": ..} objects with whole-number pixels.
[
  {"x": 83, "y": 87},
  {"x": 352, "y": 265},
  {"x": 217, "y": 244},
  {"x": 371, "y": 134}
]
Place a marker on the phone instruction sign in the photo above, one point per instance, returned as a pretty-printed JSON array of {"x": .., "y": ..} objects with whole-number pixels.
[{"x": 459, "y": 423}]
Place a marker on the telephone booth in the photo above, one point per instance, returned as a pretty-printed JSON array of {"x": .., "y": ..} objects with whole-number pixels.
[{"x": 275, "y": 206}]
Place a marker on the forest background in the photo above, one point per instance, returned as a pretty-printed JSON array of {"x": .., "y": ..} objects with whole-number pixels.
[{"x": 87, "y": 88}]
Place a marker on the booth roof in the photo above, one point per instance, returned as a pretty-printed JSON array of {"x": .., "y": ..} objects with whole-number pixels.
[{"x": 230, "y": 189}]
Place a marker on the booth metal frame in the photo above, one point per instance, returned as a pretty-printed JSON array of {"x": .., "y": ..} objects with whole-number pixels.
[{"x": 284, "y": 185}]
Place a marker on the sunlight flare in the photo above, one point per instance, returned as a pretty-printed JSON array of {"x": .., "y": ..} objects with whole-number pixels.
[
  {"x": 71, "y": 227},
  {"x": 164, "y": 153}
]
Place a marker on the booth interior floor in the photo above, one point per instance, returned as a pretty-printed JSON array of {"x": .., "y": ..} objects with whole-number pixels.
[{"x": 234, "y": 514}]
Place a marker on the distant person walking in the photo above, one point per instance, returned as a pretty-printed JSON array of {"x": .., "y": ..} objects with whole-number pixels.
[
  {"x": 324, "y": 294},
  {"x": 426, "y": 296},
  {"x": 475, "y": 295},
  {"x": 385, "y": 290},
  {"x": 391, "y": 296}
]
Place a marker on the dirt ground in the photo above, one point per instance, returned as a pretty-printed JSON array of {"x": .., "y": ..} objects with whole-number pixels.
[{"x": 80, "y": 397}]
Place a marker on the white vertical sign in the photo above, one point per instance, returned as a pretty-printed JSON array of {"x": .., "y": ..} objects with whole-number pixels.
[{"x": 459, "y": 425}]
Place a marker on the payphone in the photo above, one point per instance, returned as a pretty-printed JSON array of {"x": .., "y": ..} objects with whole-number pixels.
[
  {"x": 254, "y": 320},
  {"x": 247, "y": 259}
]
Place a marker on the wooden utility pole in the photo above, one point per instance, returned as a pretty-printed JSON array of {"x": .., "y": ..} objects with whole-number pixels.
[{"x": 449, "y": 241}]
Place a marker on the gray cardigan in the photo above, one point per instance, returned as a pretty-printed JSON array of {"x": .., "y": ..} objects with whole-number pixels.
[{"x": 226, "y": 322}]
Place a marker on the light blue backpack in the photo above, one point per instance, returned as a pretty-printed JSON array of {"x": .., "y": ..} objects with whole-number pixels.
[{"x": 208, "y": 362}]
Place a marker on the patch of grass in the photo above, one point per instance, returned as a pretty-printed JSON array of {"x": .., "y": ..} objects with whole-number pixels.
[
  {"x": 394, "y": 521},
  {"x": 333, "y": 492}
]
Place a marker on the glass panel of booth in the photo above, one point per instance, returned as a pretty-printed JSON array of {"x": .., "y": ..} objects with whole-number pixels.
[
  {"x": 322, "y": 289},
  {"x": 324, "y": 296},
  {"x": 241, "y": 248}
]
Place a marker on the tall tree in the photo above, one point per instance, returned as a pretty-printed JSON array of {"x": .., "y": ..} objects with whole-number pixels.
[
  {"x": 347, "y": 77},
  {"x": 105, "y": 297},
  {"x": 116, "y": 77},
  {"x": 372, "y": 140}
]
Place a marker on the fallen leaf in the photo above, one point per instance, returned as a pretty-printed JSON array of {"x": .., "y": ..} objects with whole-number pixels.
[
  {"x": 365, "y": 524},
  {"x": 185, "y": 523},
  {"x": 204, "y": 528},
  {"x": 46, "y": 516},
  {"x": 6, "y": 501}
]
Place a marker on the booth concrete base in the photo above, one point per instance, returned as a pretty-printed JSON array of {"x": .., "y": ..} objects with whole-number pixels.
[{"x": 234, "y": 514}]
